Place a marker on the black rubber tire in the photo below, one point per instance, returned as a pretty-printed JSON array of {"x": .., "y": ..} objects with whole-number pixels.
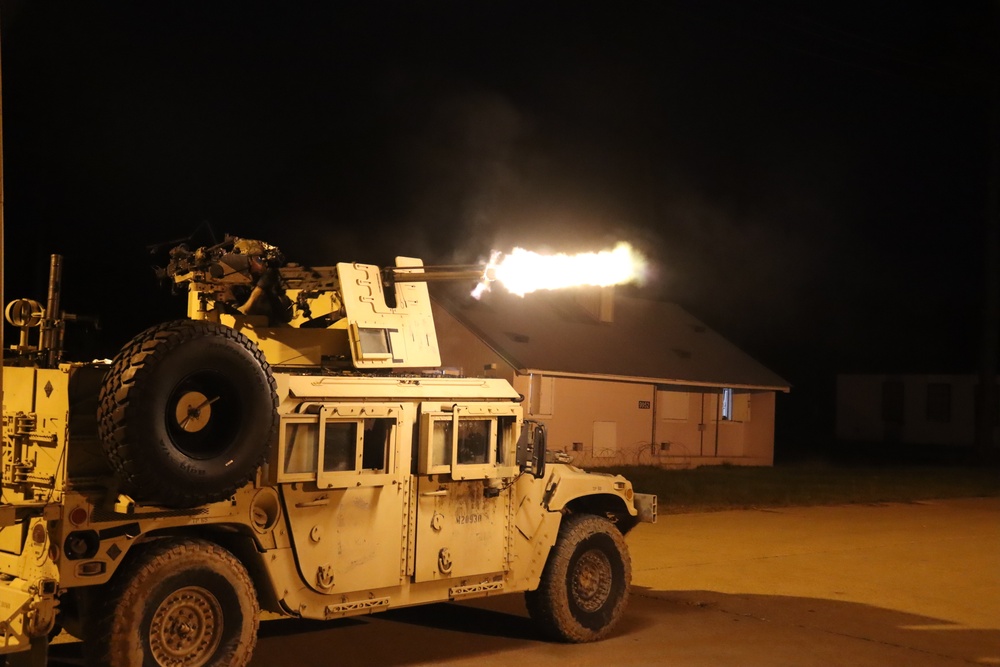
[
  {"x": 215, "y": 376},
  {"x": 178, "y": 601},
  {"x": 585, "y": 585}
]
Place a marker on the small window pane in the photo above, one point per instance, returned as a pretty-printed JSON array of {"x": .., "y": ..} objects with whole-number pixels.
[
  {"x": 301, "y": 447},
  {"x": 505, "y": 438},
  {"x": 376, "y": 444},
  {"x": 441, "y": 442},
  {"x": 727, "y": 403},
  {"x": 340, "y": 449},
  {"x": 473, "y": 441},
  {"x": 374, "y": 341}
]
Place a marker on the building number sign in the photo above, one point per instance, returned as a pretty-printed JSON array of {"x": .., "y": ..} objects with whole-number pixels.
[{"x": 644, "y": 405}]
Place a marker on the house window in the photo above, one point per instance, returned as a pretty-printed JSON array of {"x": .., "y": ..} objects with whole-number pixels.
[
  {"x": 727, "y": 404},
  {"x": 735, "y": 407},
  {"x": 939, "y": 402},
  {"x": 892, "y": 401},
  {"x": 673, "y": 405}
]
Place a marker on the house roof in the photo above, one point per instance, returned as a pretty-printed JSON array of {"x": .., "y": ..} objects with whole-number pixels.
[{"x": 553, "y": 333}]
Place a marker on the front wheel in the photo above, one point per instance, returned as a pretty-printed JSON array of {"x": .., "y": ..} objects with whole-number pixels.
[
  {"x": 181, "y": 602},
  {"x": 585, "y": 584}
]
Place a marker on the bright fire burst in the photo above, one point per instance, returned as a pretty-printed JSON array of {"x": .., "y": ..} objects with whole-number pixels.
[{"x": 524, "y": 271}]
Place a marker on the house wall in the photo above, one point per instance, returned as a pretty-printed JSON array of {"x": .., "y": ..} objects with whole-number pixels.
[
  {"x": 597, "y": 422},
  {"x": 609, "y": 422},
  {"x": 907, "y": 409},
  {"x": 759, "y": 439},
  {"x": 603, "y": 423},
  {"x": 691, "y": 430}
]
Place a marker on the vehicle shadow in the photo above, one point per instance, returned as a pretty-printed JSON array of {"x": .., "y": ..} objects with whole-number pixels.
[
  {"x": 426, "y": 634},
  {"x": 868, "y": 628},
  {"x": 689, "y": 627}
]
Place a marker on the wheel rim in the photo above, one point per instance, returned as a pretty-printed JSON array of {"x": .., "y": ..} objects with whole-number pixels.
[
  {"x": 203, "y": 415},
  {"x": 193, "y": 411},
  {"x": 591, "y": 581},
  {"x": 186, "y": 628}
]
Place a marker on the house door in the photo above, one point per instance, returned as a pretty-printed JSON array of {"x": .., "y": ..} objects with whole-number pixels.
[{"x": 708, "y": 426}]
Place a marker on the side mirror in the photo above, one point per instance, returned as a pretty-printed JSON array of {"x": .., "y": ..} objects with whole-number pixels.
[{"x": 531, "y": 449}]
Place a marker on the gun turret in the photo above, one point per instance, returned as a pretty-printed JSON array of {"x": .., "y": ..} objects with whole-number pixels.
[
  {"x": 382, "y": 317},
  {"x": 349, "y": 315}
]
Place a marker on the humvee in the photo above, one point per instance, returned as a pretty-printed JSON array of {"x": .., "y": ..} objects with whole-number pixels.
[{"x": 291, "y": 446}]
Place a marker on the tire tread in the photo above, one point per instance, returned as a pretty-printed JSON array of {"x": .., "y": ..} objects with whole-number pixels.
[
  {"x": 137, "y": 361},
  {"x": 547, "y": 605},
  {"x": 106, "y": 627}
]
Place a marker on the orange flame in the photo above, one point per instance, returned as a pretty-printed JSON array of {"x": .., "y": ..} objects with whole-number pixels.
[{"x": 523, "y": 271}]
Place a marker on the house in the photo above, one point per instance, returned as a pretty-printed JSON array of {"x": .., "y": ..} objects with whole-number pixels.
[
  {"x": 907, "y": 409},
  {"x": 617, "y": 380}
]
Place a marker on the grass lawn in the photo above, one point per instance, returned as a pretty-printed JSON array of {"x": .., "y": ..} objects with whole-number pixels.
[{"x": 712, "y": 488}]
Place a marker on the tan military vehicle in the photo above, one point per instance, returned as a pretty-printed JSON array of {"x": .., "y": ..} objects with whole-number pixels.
[{"x": 290, "y": 447}]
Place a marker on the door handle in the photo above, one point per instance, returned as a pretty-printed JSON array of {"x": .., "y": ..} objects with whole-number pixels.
[
  {"x": 439, "y": 492},
  {"x": 319, "y": 502}
]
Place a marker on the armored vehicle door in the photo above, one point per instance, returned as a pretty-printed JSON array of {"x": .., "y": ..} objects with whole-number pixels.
[
  {"x": 466, "y": 463},
  {"x": 343, "y": 491}
]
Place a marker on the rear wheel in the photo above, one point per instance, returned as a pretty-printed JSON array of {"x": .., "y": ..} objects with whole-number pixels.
[
  {"x": 181, "y": 602},
  {"x": 585, "y": 584},
  {"x": 187, "y": 413}
]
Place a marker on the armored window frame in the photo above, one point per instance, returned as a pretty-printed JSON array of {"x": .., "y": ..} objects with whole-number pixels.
[
  {"x": 305, "y": 442},
  {"x": 469, "y": 441}
]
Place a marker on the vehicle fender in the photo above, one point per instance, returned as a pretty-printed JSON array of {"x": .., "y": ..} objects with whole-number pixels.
[{"x": 567, "y": 487}]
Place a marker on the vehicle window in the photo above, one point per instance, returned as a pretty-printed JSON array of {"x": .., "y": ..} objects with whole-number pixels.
[
  {"x": 301, "y": 446},
  {"x": 441, "y": 442},
  {"x": 473, "y": 441},
  {"x": 505, "y": 439},
  {"x": 340, "y": 446},
  {"x": 376, "y": 443}
]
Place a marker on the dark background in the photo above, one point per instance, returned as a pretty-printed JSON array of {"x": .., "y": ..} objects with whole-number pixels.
[{"x": 809, "y": 179}]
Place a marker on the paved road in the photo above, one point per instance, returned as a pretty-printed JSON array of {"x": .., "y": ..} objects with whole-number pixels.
[{"x": 915, "y": 585}]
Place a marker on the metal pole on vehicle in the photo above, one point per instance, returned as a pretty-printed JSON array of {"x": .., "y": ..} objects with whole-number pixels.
[{"x": 2, "y": 348}]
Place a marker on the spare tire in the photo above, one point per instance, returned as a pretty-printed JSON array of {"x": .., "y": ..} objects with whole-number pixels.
[{"x": 187, "y": 413}]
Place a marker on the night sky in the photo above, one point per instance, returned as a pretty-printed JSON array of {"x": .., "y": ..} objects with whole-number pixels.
[{"x": 809, "y": 179}]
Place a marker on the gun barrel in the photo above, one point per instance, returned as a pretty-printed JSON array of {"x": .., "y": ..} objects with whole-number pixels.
[{"x": 429, "y": 274}]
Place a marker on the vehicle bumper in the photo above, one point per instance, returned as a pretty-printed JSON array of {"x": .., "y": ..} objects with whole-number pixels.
[{"x": 645, "y": 506}]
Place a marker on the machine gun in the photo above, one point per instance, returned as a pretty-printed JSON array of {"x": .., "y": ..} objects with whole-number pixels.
[{"x": 349, "y": 315}]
